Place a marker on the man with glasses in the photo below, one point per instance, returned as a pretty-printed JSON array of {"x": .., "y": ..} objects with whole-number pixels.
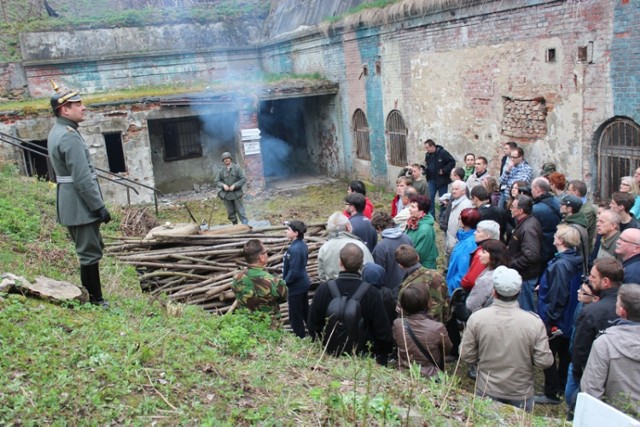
[
  {"x": 628, "y": 249},
  {"x": 605, "y": 278},
  {"x": 525, "y": 249},
  {"x": 516, "y": 169},
  {"x": 479, "y": 173},
  {"x": 255, "y": 288}
]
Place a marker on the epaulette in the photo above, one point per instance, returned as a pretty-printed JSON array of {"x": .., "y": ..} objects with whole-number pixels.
[{"x": 70, "y": 129}]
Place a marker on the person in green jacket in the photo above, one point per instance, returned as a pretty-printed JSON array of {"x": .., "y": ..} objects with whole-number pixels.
[
  {"x": 254, "y": 287},
  {"x": 79, "y": 202},
  {"x": 229, "y": 181},
  {"x": 420, "y": 230}
]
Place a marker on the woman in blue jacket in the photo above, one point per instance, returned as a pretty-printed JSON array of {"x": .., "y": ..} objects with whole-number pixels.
[
  {"x": 557, "y": 300},
  {"x": 294, "y": 273},
  {"x": 461, "y": 255}
]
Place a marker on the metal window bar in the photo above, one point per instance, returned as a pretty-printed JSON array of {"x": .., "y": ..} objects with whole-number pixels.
[
  {"x": 618, "y": 155},
  {"x": 189, "y": 138},
  {"x": 397, "y": 132},
  {"x": 361, "y": 135},
  {"x": 29, "y": 146}
]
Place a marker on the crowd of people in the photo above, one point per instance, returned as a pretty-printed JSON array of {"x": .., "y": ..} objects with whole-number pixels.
[{"x": 535, "y": 276}]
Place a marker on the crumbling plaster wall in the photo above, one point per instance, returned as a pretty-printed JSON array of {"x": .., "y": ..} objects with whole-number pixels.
[
  {"x": 130, "y": 122},
  {"x": 448, "y": 73},
  {"x": 121, "y": 58}
]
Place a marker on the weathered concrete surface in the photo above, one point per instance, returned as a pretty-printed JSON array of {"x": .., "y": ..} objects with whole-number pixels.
[
  {"x": 103, "y": 43},
  {"x": 287, "y": 16},
  {"x": 13, "y": 83}
]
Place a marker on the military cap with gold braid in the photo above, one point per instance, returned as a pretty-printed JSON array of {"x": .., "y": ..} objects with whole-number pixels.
[{"x": 62, "y": 97}]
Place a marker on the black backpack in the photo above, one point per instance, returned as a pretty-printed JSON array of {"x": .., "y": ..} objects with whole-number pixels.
[{"x": 345, "y": 328}]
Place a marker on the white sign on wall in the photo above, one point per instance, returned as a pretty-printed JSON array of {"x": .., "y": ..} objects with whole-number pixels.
[{"x": 251, "y": 147}]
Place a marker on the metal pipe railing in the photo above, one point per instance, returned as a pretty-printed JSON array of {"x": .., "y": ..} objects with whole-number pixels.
[{"x": 104, "y": 174}]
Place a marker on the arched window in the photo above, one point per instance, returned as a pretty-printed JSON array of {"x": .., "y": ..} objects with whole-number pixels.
[
  {"x": 361, "y": 135},
  {"x": 618, "y": 155},
  {"x": 397, "y": 132}
]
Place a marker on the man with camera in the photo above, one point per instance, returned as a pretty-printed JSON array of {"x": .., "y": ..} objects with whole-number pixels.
[{"x": 515, "y": 169}]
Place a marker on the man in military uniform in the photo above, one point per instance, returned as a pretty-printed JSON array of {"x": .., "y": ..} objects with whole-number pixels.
[
  {"x": 255, "y": 288},
  {"x": 79, "y": 202},
  {"x": 409, "y": 260},
  {"x": 229, "y": 181}
]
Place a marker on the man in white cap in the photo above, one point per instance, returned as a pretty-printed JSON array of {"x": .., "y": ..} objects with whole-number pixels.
[{"x": 507, "y": 343}]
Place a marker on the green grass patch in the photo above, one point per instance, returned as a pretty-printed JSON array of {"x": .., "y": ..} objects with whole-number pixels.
[{"x": 145, "y": 361}]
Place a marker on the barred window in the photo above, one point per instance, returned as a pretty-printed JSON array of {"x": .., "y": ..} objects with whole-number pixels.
[
  {"x": 397, "y": 132},
  {"x": 618, "y": 155},
  {"x": 181, "y": 139},
  {"x": 361, "y": 135}
]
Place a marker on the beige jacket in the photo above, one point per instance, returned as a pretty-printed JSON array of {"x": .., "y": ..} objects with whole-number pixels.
[{"x": 507, "y": 343}]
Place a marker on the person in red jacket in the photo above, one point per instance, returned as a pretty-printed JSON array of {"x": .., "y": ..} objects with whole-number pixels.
[
  {"x": 357, "y": 186},
  {"x": 401, "y": 184},
  {"x": 485, "y": 230}
]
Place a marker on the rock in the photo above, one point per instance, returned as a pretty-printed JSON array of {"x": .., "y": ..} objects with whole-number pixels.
[{"x": 44, "y": 288}]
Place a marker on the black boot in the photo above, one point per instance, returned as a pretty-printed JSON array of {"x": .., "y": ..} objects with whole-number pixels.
[{"x": 90, "y": 277}]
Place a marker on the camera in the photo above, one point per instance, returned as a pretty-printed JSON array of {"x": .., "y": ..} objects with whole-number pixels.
[
  {"x": 525, "y": 190},
  {"x": 584, "y": 279}
]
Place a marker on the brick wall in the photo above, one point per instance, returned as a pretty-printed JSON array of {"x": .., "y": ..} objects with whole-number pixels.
[
  {"x": 449, "y": 73},
  {"x": 625, "y": 59}
]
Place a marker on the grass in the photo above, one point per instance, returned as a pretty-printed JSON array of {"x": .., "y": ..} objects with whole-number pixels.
[
  {"x": 41, "y": 105},
  {"x": 147, "y": 362},
  {"x": 29, "y": 15}
]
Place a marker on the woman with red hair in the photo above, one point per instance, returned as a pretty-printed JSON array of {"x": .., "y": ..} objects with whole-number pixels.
[
  {"x": 461, "y": 254},
  {"x": 558, "y": 183}
]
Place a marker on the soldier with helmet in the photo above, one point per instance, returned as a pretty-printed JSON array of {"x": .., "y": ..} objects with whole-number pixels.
[
  {"x": 229, "y": 181},
  {"x": 79, "y": 202}
]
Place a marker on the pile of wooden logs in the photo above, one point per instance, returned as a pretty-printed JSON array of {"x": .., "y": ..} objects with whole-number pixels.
[{"x": 198, "y": 269}]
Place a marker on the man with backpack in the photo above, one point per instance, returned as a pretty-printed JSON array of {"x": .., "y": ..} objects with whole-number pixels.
[{"x": 348, "y": 314}]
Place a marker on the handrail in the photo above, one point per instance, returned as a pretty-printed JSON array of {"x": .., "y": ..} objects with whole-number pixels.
[{"x": 27, "y": 145}]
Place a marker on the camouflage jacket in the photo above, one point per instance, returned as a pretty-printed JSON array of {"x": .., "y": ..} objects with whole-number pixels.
[
  {"x": 258, "y": 290},
  {"x": 437, "y": 290}
]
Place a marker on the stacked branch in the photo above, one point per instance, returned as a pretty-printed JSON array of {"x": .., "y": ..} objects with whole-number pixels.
[{"x": 198, "y": 269}]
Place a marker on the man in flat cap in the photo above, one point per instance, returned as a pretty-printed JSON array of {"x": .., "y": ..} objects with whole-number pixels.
[
  {"x": 79, "y": 201},
  {"x": 507, "y": 343}
]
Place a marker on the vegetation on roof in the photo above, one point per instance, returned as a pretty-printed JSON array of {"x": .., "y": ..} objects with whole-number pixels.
[
  {"x": 18, "y": 16},
  {"x": 140, "y": 93}
]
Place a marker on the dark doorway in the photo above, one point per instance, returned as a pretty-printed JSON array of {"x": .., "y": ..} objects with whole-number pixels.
[
  {"x": 283, "y": 138},
  {"x": 38, "y": 164},
  {"x": 115, "y": 153}
]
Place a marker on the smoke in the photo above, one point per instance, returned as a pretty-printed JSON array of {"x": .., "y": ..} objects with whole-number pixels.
[{"x": 276, "y": 157}]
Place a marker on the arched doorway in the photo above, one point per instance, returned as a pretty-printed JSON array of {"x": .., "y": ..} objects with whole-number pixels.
[
  {"x": 397, "y": 132},
  {"x": 618, "y": 155},
  {"x": 361, "y": 135}
]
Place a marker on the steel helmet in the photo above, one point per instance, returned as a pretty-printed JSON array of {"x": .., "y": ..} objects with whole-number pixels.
[{"x": 226, "y": 155}]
